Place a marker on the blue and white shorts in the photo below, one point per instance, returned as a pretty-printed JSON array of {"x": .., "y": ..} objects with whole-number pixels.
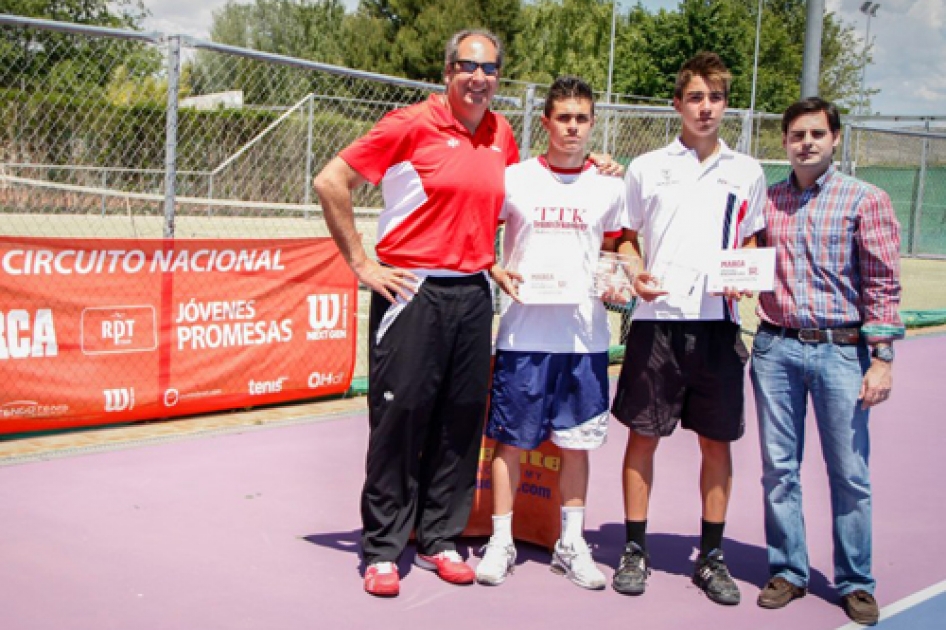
[{"x": 536, "y": 395}]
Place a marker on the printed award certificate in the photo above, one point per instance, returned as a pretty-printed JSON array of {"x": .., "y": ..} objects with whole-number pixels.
[
  {"x": 746, "y": 269},
  {"x": 554, "y": 285}
]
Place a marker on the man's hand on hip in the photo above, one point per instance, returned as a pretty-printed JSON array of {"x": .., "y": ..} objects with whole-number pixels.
[{"x": 388, "y": 281}]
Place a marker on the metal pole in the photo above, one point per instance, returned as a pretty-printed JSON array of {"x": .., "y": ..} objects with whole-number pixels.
[
  {"x": 920, "y": 193},
  {"x": 526, "y": 148},
  {"x": 307, "y": 186},
  {"x": 870, "y": 10},
  {"x": 246, "y": 147},
  {"x": 846, "y": 150},
  {"x": 607, "y": 96},
  {"x": 210, "y": 193},
  {"x": 747, "y": 121},
  {"x": 104, "y": 185},
  {"x": 170, "y": 154},
  {"x": 811, "y": 62}
]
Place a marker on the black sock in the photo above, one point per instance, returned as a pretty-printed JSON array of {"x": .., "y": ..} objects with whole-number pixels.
[
  {"x": 711, "y": 536},
  {"x": 636, "y": 532}
]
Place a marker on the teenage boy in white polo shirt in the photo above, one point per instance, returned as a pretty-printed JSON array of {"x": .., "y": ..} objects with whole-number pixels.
[
  {"x": 685, "y": 360},
  {"x": 551, "y": 372}
]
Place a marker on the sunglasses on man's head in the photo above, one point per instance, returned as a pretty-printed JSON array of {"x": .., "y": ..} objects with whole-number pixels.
[{"x": 490, "y": 68}]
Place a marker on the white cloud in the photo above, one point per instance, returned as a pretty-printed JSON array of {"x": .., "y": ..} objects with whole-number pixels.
[
  {"x": 192, "y": 17},
  {"x": 909, "y": 69},
  {"x": 186, "y": 17}
]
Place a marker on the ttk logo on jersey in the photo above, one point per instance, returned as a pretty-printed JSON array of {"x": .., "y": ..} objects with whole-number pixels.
[
  {"x": 116, "y": 329},
  {"x": 122, "y": 399},
  {"x": 328, "y": 317},
  {"x": 545, "y": 217}
]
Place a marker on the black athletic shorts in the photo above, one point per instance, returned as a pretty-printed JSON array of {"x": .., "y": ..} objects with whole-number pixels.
[{"x": 687, "y": 372}]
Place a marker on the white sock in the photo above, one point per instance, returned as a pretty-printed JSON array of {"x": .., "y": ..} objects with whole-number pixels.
[
  {"x": 573, "y": 525},
  {"x": 502, "y": 529}
]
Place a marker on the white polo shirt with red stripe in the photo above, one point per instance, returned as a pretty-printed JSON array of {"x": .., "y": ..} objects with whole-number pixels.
[
  {"x": 561, "y": 215},
  {"x": 443, "y": 188},
  {"x": 687, "y": 212}
]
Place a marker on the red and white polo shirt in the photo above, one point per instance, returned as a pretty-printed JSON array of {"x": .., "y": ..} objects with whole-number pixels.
[{"x": 443, "y": 188}]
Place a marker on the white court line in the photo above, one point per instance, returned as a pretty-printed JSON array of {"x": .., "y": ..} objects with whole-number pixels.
[{"x": 904, "y": 604}]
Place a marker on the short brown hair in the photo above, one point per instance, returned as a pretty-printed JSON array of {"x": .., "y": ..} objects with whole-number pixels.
[
  {"x": 566, "y": 87},
  {"x": 812, "y": 105},
  {"x": 706, "y": 65}
]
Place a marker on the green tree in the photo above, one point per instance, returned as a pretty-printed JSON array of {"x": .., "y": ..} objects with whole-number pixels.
[
  {"x": 650, "y": 47},
  {"x": 296, "y": 28},
  {"x": 563, "y": 37},
  {"x": 413, "y": 32},
  {"x": 63, "y": 62},
  {"x": 305, "y": 29}
]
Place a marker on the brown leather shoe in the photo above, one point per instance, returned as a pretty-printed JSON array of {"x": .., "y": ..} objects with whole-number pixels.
[
  {"x": 861, "y": 607},
  {"x": 778, "y": 592}
]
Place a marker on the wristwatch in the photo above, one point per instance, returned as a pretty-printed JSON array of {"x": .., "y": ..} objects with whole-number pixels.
[{"x": 884, "y": 353}]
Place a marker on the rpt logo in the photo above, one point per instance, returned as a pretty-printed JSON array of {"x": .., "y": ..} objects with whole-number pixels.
[
  {"x": 122, "y": 399},
  {"x": 118, "y": 329},
  {"x": 328, "y": 316}
]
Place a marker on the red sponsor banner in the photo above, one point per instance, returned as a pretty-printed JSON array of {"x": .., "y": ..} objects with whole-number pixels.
[{"x": 101, "y": 331}]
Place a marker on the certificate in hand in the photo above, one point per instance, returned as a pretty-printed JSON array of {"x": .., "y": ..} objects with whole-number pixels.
[
  {"x": 553, "y": 285},
  {"x": 747, "y": 269}
]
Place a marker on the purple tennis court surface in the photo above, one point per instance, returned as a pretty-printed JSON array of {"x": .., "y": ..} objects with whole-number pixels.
[{"x": 258, "y": 529}]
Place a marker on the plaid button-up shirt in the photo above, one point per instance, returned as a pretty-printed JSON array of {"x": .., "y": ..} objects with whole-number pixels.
[{"x": 837, "y": 257}]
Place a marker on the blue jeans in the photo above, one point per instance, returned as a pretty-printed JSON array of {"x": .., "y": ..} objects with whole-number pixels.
[{"x": 785, "y": 372}]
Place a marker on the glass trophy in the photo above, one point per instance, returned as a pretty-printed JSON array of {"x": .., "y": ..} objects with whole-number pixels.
[{"x": 614, "y": 277}]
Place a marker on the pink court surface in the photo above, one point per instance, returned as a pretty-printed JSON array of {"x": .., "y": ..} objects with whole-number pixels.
[{"x": 252, "y": 527}]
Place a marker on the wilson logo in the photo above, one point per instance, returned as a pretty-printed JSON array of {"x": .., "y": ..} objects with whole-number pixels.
[
  {"x": 328, "y": 317},
  {"x": 119, "y": 399}
]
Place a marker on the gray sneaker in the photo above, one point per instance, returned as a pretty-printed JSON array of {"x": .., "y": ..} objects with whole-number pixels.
[
  {"x": 713, "y": 578},
  {"x": 575, "y": 563},
  {"x": 498, "y": 561},
  {"x": 631, "y": 576}
]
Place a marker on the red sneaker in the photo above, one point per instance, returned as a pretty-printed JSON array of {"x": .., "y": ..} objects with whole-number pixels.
[
  {"x": 448, "y": 565},
  {"x": 382, "y": 580}
]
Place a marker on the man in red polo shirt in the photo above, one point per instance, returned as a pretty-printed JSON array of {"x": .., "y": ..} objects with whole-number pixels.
[{"x": 440, "y": 164}]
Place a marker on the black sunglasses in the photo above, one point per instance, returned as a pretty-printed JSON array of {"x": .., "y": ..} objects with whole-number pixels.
[{"x": 490, "y": 68}]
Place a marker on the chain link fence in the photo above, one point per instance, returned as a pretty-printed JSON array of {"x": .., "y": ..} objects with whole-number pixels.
[
  {"x": 908, "y": 160},
  {"x": 120, "y": 134}
]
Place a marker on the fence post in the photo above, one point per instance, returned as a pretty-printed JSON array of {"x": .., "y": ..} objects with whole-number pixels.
[
  {"x": 104, "y": 185},
  {"x": 846, "y": 150},
  {"x": 307, "y": 184},
  {"x": 210, "y": 193},
  {"x": 920, "y": 192},
  {"x": 745, "y": 137},
  {"x": 526, "y": 148},
  {"x": 170, "y": 152}
]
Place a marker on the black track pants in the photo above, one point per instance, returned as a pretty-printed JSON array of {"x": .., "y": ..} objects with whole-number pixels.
[{"x": 428, "y": 388}]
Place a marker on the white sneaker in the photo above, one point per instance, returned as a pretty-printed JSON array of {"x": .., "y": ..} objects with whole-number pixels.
[
  {"x": 575, "y": 563},
  {"x": 497, "y": 563}
]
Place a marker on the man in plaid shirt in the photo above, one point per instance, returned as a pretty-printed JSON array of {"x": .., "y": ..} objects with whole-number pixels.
[{"x": 826, "y": 333}]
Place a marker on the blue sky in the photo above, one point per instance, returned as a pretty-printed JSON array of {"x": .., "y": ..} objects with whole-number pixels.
[{"x": 909, "y": 44}]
